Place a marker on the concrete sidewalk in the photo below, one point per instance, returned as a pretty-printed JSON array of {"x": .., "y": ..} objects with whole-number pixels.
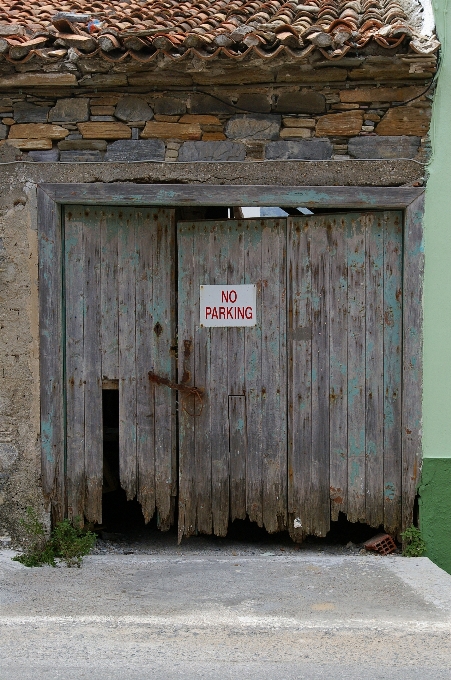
[{"x": 226, "y": 616}]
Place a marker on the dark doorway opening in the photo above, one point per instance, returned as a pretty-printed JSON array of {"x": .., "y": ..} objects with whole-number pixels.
[{"x": 118, "y": 514}]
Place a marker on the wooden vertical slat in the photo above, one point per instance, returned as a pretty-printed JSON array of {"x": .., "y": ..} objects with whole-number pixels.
[
  {"x": 163, "y": 338},
  {"x": 319, "y": 491},
  {"x": 253, "y": 368},
  {"x": 299, "y": 386},
  {"x": 392, "y": 371},
  {"x": 218, "y": 397},
  {"x": 338, "y": 367},
  {"x": 146, "y": 421},
  {"x": 92, "y": 369},
  {"x": 238, "y": 452},
  {"x": 187, "y": 307},
  {"x": 374, "y": 425},
  {"x": 236, "y": 384},
  {"x": 412, "y": 356},
  {"x": 109, "y": 329},
  {"x": 356, "y": 369},
  {"x": 202, "y": 349},
  {"x": 127, "y": 267},
  {"x": 75, "y": 387},
  {"x": 273, "y": 378},
  {"x": 51, "y": 354}
]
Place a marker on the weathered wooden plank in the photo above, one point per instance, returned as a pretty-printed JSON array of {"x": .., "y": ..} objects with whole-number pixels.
[
  {"x": 253, "y": 372},
  {"x": 127, "y": 267},
  {"x": 51, "y": 354},
  {"x": 236, "y": 384},
  {"x": 392, "y": 372},
  {"x": 218, "y": 262},
  {"x": 319, "y": 491},
  {"x": 273, "y": 376},
  {"x": 338, "y": 366},
  {"x": 109, "y": 329},
  {"x": 146, "y": 421},
  {"x": 187, "y": 308},
  {"x": 75, "y": 387},
  {"x": 257, "y": 195},
  {"x": 374, "y": 425},
  {"x": 412, "y": 356},
  {"x": 163, "y": 335},
  {"x": 356, "y": 369},
  {"x": 92, "y": 369},
  {"x": 238, "y": 453},
  {"x": 299, "y": 385},
  {"x": 202, "y": 350}
]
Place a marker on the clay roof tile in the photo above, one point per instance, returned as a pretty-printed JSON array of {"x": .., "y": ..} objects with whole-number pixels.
[{"x": 207, "y": 19}]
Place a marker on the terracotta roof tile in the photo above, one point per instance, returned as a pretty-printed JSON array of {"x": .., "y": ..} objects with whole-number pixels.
[{"x": 213, "y": 27}]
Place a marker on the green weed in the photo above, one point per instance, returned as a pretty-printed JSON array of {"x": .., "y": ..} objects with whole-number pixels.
[
  {"x": 413, "y": 543},
  {"x": 67, "y": 543}
]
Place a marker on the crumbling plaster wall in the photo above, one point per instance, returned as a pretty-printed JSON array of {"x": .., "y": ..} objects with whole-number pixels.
[{"x": 19, "y": 322}]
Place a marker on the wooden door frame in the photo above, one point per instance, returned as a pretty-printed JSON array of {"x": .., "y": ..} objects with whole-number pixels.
[{"x": 51, "y": 198}]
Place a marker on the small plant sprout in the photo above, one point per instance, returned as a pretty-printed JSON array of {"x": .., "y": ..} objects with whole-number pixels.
[
  {"x": 413, "y": 543},
  {"x": 68, "y": 542}
]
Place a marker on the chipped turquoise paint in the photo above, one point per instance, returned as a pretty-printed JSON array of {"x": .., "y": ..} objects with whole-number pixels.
[
  {"x": 353, "y": 390},
  {"x": 354, "y": 473},
  {"x": 46, "y": 439},
  {"x": 435, "y": 488},
  {"x": 240, "y": 425},
  {"x": 389, "y": 491},
  {"x": 357, "y": 444},
  {"x": 371, "y": 448}
]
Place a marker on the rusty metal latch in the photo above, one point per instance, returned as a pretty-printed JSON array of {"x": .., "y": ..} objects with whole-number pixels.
[{"x": 186, "y": 391}]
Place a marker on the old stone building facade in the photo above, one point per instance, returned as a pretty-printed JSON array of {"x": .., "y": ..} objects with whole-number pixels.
[{"x": 261, "y": 97}]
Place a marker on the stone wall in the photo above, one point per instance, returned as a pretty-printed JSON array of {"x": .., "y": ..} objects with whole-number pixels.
[{"x": 260, "y": 123}]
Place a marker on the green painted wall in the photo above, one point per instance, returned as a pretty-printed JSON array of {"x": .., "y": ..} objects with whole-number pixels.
[
  {"x": 435, "y": 510},
  {"x": 435, "y": 490}
]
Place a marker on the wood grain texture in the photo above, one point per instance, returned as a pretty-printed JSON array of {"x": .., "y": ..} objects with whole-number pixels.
[
  {"x": 238, "y": 454},
  {"x": 356, "y": 369},
  {"x": 205, "y": 438},
  {"x": 319, "y": 490},
  {"x": 338, "y": 366},
  {"x": 75, "y": 377},
  {"x": 374, "y": 367},
  {"x": 412, "y": 356},
  {"x": 120, "y": 193},
  {"x": 92, "y": 368},
  {"x": 163, "y": 334},
  {"x": 392, "y": 372},
  {"x": 301, "y": 519},
  {"x": 187, "y": 307},
  {"x": 218, "y": 396},
  {"x": 109, "y": 327},
  {"x": 274, "y": 375},
  {"x": 236, "y": 386},
  {"x": 51, "y": 354},
  {"x": 127, "y": 270},
  {"x": 146, "y": 393},
  {"x": 253, "y": 377}
]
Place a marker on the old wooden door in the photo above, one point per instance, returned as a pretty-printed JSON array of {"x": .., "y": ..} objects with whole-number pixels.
[
  {"x": 302, "y": 413},
  {"x": 119, "y": 290},
  {"x": 345, "y": 370},
  {"x": 233, "y": 454}
]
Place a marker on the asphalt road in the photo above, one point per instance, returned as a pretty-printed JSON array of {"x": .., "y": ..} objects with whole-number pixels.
[{"x": 187, "y": 616}]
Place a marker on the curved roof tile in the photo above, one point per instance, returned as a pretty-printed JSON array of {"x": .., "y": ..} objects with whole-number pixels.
[{"x": 141, "y": 28}]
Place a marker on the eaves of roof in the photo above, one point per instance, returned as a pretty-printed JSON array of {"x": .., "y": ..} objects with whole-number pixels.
[{"x": 143, "y": 29}]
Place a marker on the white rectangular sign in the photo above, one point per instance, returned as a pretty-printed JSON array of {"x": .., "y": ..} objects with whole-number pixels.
[{"x": 228, "y": 305}]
